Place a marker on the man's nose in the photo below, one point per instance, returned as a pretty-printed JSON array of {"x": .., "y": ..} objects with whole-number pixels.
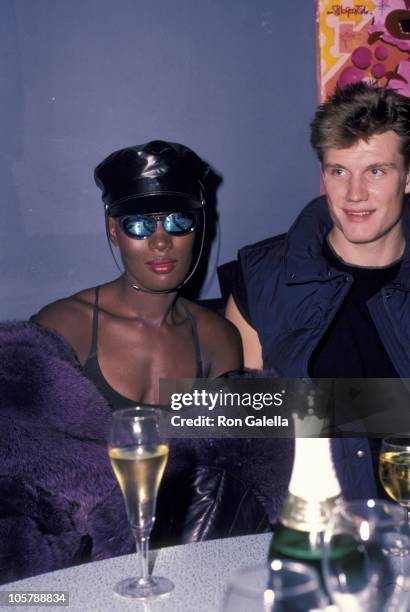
[
  {"x": 160, "y": 240},
  {"x": 357, "y": 189}
]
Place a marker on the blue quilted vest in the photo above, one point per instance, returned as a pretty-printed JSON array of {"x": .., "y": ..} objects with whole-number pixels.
[{"x": 293, "y": 295}]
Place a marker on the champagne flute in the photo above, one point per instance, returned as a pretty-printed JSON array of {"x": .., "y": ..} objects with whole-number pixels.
[
  {"x": 394, "y": 469},
  {"x": 361, "y": 574},
  {"x": 138, "y": 456},
  {"x": 280, "y": 586}
]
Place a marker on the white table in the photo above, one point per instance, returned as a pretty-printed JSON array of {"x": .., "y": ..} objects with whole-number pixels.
[{"x": 199, "y": 571}]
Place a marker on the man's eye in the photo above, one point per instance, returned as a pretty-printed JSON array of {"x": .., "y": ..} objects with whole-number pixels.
[
  {"x": 376, "y": 172},
  {"x": 336, "y": 172}
]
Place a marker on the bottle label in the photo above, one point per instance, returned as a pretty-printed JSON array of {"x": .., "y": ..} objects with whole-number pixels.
[{"x": 307, "y": 514}]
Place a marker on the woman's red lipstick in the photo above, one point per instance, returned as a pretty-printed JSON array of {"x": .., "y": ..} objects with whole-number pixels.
[{"x": 161, "y": 266}]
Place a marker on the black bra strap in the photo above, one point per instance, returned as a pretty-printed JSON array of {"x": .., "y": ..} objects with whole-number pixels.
[
  {"x": 197, "y": 346},
  {"x": 198, "y": 356},
  {"x": 94, "y": 339}
]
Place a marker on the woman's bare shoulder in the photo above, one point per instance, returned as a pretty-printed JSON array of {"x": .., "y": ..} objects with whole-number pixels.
[
  {"x": 70, "y": 308},
  {"x": 71, "y": 318},
  {"x": 220, "y": 340},
  {"x": 211, "y": 321}
]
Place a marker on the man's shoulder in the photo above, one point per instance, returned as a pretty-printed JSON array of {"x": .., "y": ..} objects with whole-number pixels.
[
  {"x": 264, "y": 253},
  {"x": 267, "y": 244},
  {"x": 309, "y": 215}
]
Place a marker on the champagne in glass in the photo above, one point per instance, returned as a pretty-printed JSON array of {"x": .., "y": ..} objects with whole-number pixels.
[
  {"x": 139, "y": 471},
  {"x": 138, "y": 456},
  {"x": 394, "y": 469}
]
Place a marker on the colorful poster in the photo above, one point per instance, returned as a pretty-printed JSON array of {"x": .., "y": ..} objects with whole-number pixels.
[{"x": 367, "y": 40}]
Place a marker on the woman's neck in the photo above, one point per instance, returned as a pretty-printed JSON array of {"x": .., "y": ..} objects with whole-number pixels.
[{"x": 156, "y": 308}]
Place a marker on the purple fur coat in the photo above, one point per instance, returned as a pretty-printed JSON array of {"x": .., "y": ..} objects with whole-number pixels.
[
  {"x": 60, "y": 504},
  {"x": 59, "y": 501}
]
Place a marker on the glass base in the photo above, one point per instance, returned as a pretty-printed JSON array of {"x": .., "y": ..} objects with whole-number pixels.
[
  {"x": 396, "y": 545},
  {"x": 136, "y": 588}
]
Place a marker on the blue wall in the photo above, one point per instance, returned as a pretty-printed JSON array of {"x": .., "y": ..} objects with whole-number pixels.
[{"x": 233, "y": 79}]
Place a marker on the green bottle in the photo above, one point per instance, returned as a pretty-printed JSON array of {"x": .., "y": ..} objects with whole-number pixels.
[{"x": 314, "y": 490}]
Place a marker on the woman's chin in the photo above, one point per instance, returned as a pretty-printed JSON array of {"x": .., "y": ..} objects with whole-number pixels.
[{"x": 163, "y": 283}]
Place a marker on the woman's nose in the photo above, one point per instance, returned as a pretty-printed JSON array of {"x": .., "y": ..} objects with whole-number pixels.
[{"x": 160, "y": 240}]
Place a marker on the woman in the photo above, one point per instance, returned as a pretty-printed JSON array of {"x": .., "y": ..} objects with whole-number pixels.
[
  {"x": 130, "y": 332},
  {"x": 62, "y": 503}
]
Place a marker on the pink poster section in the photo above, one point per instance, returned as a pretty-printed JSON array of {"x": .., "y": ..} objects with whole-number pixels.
[{"x": 367, "y": 40}]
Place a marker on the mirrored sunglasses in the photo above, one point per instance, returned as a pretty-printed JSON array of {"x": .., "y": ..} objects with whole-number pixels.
[{"x": 140, "y": 227}]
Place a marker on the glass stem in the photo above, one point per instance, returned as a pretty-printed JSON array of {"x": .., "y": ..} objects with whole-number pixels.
[{"x": 142, "y": 542}]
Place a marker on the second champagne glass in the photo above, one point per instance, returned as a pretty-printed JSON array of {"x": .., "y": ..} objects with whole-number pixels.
[
  {"x": 138, "y": 456},
  {"x": 361, "y": 574},
  {"x": 280, "y": 586},
  {"x": 394, "y": 469}
]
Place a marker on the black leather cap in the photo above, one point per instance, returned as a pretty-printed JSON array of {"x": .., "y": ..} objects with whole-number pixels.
[{"x": 155, "y": 177}]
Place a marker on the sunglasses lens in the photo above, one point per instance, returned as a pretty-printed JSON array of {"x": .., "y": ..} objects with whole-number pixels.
[
  {"x": 180, "y": 223},
  {"x": 143, "y": 226},
  {"x": 138, "y": 226}
]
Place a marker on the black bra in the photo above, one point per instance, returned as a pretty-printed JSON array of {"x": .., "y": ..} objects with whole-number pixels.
[{"x": 92, "y": 370}]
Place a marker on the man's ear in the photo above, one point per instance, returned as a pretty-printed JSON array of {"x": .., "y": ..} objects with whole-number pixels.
[
  {"x": 112, "y": 230},
  {"x": 407, "y": 188}
]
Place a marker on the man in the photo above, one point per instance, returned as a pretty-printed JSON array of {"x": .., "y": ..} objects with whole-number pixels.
[{"x": 330, "y": 299}]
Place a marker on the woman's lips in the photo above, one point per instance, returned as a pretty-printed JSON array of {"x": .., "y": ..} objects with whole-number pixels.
[{"x": 161, "y": 266}]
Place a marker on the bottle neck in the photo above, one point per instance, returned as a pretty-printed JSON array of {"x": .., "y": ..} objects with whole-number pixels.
[{"x": 314, "y": 487}]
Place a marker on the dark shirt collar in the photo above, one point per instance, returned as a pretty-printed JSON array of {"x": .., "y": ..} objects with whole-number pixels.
[{"x": 304, "y": 261}]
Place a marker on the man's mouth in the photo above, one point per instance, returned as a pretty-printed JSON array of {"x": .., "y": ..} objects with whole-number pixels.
[{"x": 358, "y": 215}]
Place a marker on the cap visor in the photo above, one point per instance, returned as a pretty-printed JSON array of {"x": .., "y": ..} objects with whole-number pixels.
[{"x": 153, "y": 204}]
